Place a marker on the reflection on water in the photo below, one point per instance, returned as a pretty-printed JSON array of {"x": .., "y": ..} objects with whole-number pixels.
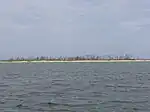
[{"x": 75, "y": 87}]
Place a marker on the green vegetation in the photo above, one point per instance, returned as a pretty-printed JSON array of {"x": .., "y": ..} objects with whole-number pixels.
[{"x": 76, "y": 58}]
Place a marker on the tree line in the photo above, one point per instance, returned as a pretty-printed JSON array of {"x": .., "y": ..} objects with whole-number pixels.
[{"x": 87, "y": 57}]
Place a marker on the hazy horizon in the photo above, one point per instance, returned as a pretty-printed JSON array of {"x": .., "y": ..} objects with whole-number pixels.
[{"x": 74, "y": 28}]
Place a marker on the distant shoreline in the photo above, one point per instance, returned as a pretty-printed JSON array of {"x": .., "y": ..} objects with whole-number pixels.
[{"x": 78, "y": 61}]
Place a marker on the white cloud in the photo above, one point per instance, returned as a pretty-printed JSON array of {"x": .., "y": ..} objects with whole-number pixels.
[{"x": 68, "y": 23}]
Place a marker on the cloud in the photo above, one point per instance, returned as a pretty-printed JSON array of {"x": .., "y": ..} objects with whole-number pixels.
[{"x": 76, "y": 26}]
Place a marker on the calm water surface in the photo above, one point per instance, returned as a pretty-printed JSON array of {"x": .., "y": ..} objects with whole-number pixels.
[{"x": 75, "y": 87}]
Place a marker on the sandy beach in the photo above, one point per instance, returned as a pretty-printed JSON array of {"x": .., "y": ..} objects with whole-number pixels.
[{"x": 78, "y": 61}]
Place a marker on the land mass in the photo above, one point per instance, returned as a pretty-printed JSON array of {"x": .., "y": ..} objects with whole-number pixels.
[
  {"x": 42, "y": 59},
  {"x": 79, "y": 61}
]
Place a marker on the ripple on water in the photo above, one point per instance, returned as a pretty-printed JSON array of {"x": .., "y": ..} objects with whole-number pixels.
[{"x": 74, "y": 87}]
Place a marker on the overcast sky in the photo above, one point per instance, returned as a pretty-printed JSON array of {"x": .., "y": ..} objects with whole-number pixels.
[{"x": 74, "y": 27}]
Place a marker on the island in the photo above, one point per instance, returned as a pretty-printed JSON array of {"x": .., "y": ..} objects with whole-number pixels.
[{"x": 87, "y": 58}]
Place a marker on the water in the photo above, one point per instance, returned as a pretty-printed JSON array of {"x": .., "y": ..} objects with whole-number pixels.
[{"x": 75, "y": 87}]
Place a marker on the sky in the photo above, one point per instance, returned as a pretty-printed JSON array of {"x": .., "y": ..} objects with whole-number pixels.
[{"x": 74, "y": 27}]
